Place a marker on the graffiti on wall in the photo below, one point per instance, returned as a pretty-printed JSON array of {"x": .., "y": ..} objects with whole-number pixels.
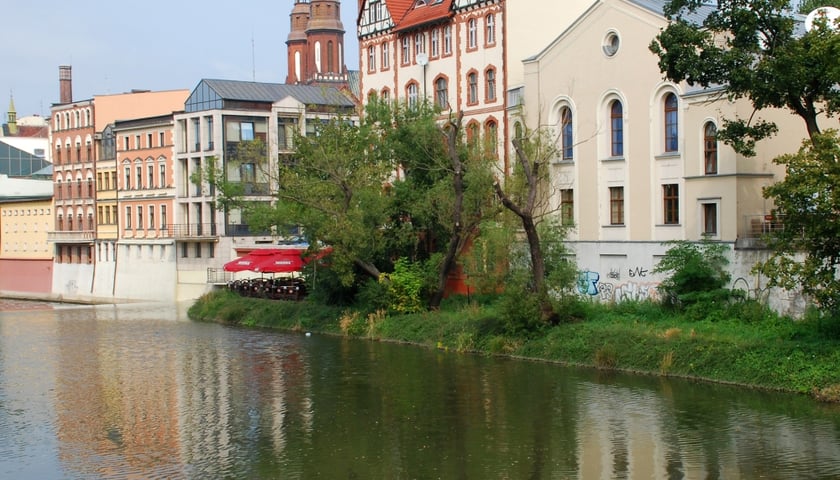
[{"x": 613, "y": 289}]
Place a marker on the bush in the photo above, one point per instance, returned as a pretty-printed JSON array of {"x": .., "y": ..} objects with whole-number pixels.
[{"x": 695, "y": 275}]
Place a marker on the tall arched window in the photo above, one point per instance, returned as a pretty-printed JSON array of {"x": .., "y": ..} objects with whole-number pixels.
[
  {"x": 566, "y": 138},
  {"x": 490, "y": 84},
  {"x": 671, "y": 123},
  {"x": 472, "y": 88},
  {"x": 616, "y": 129},
  {"x": 491, "y": 132},
  {"x": 441, "y": 93},
  {"x": 710, "y": 155},
  {"x": 411, "y": 93}
]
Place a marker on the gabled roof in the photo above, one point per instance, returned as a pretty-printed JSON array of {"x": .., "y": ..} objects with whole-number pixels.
[
  {"x": 398, "y": 9},
  {"x": 211, "y": 93},
  {"x": 420, "y": 14}
]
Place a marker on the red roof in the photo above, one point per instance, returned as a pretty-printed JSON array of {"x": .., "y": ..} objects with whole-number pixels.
[
  {"x": 397, "y": 9},
  {"x": 425, "y": 14}
]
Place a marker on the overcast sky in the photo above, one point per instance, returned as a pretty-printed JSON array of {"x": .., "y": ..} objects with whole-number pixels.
[{"x": 117, "y": 46}]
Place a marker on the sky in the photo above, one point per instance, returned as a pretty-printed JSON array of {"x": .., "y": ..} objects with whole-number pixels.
[{"x": 116, "y": 46}]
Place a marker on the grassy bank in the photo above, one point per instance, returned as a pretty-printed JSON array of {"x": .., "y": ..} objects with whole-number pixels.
[{"x": 773, "y": 353}]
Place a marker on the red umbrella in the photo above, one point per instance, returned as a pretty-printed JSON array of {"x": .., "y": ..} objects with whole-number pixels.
[
  {"x": 280, "y": 261},
  {"x": 249, "y": 261}
]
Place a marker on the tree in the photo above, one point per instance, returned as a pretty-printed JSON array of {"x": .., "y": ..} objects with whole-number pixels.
[
  {"x": 752, "y": 50},
  {"x": 524, "y": 194},
  {"x": 695, "y": 273},
  {"x": 806, "y": 202}
]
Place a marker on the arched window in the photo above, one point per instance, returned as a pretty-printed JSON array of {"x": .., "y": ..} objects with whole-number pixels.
[
  {"x": 472, "y": 88},
  {"x": 490, "y": 84},
  {"x": 386, "y": 95},
  {"x": 472, "y": 132},
  {"x": 616, "y": 129},
  {"x": 671, "y": 123},
  {"x": 411, "y": 93},
  {"x": 58, "y": 154},
  {"x": 331, "y": 58},
  {"x": 566, "y": 135},
  {"x": 491, "y": 132},
  {"x": 710, "y": 154},
  {"x": 441, "y": 93}
]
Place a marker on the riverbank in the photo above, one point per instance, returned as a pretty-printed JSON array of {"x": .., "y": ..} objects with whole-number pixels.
[{"x": 754, "y": 351}]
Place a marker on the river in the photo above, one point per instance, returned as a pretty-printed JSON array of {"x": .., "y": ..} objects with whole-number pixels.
[{"x": 139, "y": 391}]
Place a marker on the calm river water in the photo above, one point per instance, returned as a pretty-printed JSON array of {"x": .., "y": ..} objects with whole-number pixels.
[{"x": 141, "y": 392}]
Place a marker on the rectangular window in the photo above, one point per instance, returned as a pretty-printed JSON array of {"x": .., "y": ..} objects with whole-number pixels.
[
  {"x": 197, "y": 250},
  {"x": 616, "y": 205},
  {"x": 127, "y": 178},
  {"x": 196, "y": 134},
  {"x": 139, "y": 217},
  {"x": 128, "y": 218},
  {"x": 491, "y": 84},
  {"x": 162, "y": 176},
  {"x": 567, "y": 206},
  {"x": 435, "y": 43},
  {"x": 710, "y": 224},
  {"x": 185, "y": 248},
  {"x": 108, "y": 215},
  {"x": 152, "y": 217},
  {"x": 447, "y": 40},
  {"x": 471, "y": 33},
  {"x": 246, "y": 131},
  {"x": 371, "y": 59},
  {"x": 125, "y": 143},
  {"x": 210, "y": 133},
  {"x": 419, "y": 43},
  {"x": 406, "y": 50},
  {"x": 138, "y": 177},
  {"x": 100, "y": 215},
  {"x": 148, "y": 140},
  {"x": 472, "y": 85},
  {"x": 163, "y": 217},
  {"x": 386, "y": 61},
  {"x": 491, "y": 29},
  {"x": 161, "y": 139},
  {"x": 671, "y": 203},
  {"x": 137, "y": 142},
  {"x": 150, "y": 173}
]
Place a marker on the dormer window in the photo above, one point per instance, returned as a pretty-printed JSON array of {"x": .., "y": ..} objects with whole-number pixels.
[{"x": 420, "y": 3}]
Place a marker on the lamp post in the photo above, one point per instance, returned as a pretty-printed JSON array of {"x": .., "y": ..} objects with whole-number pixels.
[{"x": 423, "y": 60}]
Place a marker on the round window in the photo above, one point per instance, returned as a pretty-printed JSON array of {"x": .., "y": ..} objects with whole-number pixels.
[{"x": 611, "y": 43}]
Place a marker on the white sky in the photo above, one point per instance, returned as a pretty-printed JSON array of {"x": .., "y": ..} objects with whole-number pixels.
[{"x": 115, "y": 46}]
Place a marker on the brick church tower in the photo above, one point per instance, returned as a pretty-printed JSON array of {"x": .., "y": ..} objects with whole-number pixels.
[{"x": 316, "y": 44}]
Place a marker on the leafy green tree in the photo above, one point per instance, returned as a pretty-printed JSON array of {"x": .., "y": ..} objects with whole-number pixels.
[
  {"x": 806, "y": 6},
  {"x": 807, "y": 203},
  {"x": 754, "y": 51}
]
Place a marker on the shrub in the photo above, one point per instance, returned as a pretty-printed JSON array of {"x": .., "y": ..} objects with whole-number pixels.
[
  {"x": 405, "y": 287},
  {"x": 695, "y": 275}
]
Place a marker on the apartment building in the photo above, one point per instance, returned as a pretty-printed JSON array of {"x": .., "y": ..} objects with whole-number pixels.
[
  {"x": 140, "y": 213},
  {"x": 219, "y": 117},
  {"x": 463, "y": 55},
  {"x": 26, "y": 214},
  {"x": 75, "y": 136},
  {"x": 638, "y": 163}
]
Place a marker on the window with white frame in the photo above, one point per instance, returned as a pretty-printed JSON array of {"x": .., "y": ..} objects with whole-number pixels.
[
  {"x": 371, "y": 58},
  {"x": 406, "y": 50},
  {"x": 671, "y": 123},
  {"x": 490, "y": 23},
  {"x": 386, "y": 61},
  {"x": 490, "y": 84},
  {"x": 447, "y": 40},
  {"x": 434, "y": 40},
  {"x": 472, "y": 32}
]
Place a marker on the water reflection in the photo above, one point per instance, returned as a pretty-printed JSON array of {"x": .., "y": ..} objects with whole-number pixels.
[{"x": 137, "y": 391}]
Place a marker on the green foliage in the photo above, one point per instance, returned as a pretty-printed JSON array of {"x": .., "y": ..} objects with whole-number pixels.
[
  {"x": 752, "y": 50},
  {"x": 806, "y": 252},
  {"x": 696, "y": 275},
  {"x": 485, "y": 263},
  {"x": 404, "y": 287},
  {"x": 806, "y": 6}
]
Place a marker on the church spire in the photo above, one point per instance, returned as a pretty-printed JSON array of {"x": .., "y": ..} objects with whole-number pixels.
[{"x": 12, "y": 122}]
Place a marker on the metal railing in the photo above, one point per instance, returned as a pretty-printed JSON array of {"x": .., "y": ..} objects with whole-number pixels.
[
  {"x": 192, "y": 230},
  {"x": 758, "y": 225},
  {"x": 71, "y": 236},
  {"x": 219, "y": 276}
]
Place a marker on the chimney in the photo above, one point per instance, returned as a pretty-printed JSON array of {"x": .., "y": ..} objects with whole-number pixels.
[{"x": 65, "y": 84}]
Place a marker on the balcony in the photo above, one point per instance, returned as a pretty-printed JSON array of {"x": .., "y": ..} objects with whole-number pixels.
[
  {"x": 80, "y": 236},
  {"x": 755, "y": 228},
  {"x": 194, "y": 231}
]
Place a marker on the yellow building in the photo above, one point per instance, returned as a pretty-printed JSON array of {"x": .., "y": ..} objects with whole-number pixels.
[{"x": 26, "y": 214}]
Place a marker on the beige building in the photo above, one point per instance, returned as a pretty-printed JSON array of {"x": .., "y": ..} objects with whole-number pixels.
[{"x": 637, "y": 161}]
